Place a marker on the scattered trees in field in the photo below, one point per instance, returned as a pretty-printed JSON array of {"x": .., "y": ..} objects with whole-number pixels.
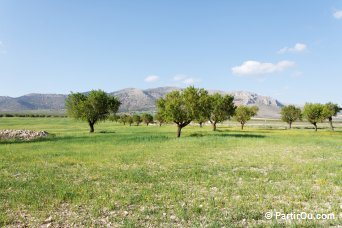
[
  {"x": 290, "y": 114},
  {"x": 219, "y": 108},
  {"x": 147, "y": 118},
  {"x": 329, "y": 111},
  {"x": 181, "y": 107},
  {"x": 314, "y": 113},
  {"x": 93, "y": 107},
  {"x": 137, "y": 119},
  {"x": 244, "y": 113}
]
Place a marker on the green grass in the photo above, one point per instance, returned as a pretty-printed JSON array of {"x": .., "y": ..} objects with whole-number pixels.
[{"x": 144, "y": 176}]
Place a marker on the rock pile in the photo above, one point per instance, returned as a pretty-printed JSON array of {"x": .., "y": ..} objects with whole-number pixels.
[{"x": 25, "y": 135}]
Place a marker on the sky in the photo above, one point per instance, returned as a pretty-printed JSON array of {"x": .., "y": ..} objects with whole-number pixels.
[{"x": 290, "y": 50}]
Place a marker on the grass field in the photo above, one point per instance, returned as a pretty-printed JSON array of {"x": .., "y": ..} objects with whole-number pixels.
[{"x": 144, "y": 176}]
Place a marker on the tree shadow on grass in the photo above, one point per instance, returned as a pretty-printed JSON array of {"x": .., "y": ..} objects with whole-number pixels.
[
  {"x": 228, "y": 135},
  {"x": 106, "y": 132},
  {"x": 45, "y": 139}
]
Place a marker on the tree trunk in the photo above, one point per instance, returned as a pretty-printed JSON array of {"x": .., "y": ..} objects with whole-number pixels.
[
  {"x": 315, "y": 126},
  {"x": 146, "y": 124},
  {"x": 214, "y": 126},
  {"x": 179, "y": 130},
  {"x": 201, "y": 124},
  {"x": 160, "y": 124},
  {"x": 290, "y": 124},
  {"x": 242, "y": 125},
  {"x": 91, "y": 127},
  {"x": 331, "y": 124}
]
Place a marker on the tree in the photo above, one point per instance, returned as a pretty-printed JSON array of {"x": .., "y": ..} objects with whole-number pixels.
[
  {"x": 314, "y": 113},
  {"x": 137, "y": 119},
  {"x": 123, "y": 118},
  {"x": 114, "y": 118},
  {"x": 147, "y": 118},
  {"x": 201, "y": 120},
  {"x": 329, "y": 111},
  {"x": 160, "y": 118},
  {"x": 181, "y": 107},
  {"x": 220, "y": 108},
  {"x": 290, "y": 114},
  {"x": 93, "y": 107},
  {"x": 129, "y": 120},
  {"x": 244, "y": 113}
]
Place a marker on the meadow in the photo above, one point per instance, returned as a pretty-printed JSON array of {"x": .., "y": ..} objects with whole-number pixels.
[{"x": 145, "y": 176}]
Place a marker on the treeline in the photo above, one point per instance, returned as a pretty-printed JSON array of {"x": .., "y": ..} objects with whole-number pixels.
[
  {"x": 179, "y": 107},
  {"x": 182, "y": 108},
  {"x": 314, "y": 113},
  {"x": 31, "y": 115}
]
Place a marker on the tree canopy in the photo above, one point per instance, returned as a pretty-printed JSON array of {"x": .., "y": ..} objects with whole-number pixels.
[
  {"x": 137, "y": 119},
  {"x": 329, "y": 111},
  {"x": 181, "y": 107},
  {"x": 147, "y": 118},
  {"x": 244, "y": 113},
  {"x": 92, "y": 107},
  {"x": 290, "y": 114},
  {"x": 219, "y": 108},
  {"x": 314, "y": 113}
]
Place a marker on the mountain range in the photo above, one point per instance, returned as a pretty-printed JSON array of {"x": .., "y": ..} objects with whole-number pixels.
[{"x": 133, "y": 100}]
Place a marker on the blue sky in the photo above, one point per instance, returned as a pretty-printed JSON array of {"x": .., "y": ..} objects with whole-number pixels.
[{"x": 290, "y": 50}]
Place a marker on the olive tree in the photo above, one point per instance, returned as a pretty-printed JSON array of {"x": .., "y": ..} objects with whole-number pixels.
[
  {"x": 201, "y": 120},
  {"x": 181, "y": 107},
  {"x": 219, "y": 108},
  {"x": 147, "y": 118},
  {"x": 92, "y": 107},
  {"x": 290, "y": 114},
  {"x": 129, "y": 120},
  {"x": 160, "y": 118},
  {"x": 137, "y": 119},
  {"x": 123, "y": 119},
  {"x": 244, "y": 113},
  {"x": 329, "y": 111},
  {"x": 314, "y": 113}
]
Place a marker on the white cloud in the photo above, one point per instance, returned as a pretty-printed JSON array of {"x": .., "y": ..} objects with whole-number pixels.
[
  {"x": 252, "y": 67},
  {"x": 152, "y": 78},
  {"x": 338, "y": 14},
  {"x": 299, "y": 47},
  {"x": 182, "y": 78},
  {"x": 179, "y": 77},
  {"x": 189, "y": 81}
]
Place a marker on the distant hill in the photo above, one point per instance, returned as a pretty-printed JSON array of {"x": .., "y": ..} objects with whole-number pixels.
[{"x": 133, "y": 100}]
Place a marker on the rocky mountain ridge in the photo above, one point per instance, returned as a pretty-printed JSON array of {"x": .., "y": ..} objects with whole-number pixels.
[{"x": 133, "y": 100}]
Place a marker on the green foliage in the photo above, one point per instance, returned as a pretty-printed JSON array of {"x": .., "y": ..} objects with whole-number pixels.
[
  {"x": 329, "y": 111},
  {"x": 314, "y": 113},
  {"x": 147, "y": 118},
  {"x": 137, "y": 119},
  {"x": 160, "y": 118},
  {"x": 114, "y": 118},
  {"x": 219, "y": 108},
  {"x": 129, "y": 120},
  {"x": 244, "y": 113},
  {"x": 181, "y": 107},
  {"x": 290, "y": 114},
  {"x": 94, "y": 107}
]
